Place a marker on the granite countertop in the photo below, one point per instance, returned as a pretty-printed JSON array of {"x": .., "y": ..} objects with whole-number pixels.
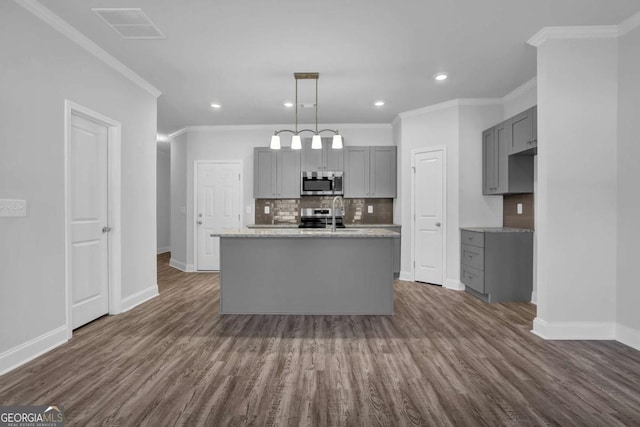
[
  {"x": 497, "y": 229},
  {"x": 262, "y": 226},
  {"x": 307, "y": 233}
]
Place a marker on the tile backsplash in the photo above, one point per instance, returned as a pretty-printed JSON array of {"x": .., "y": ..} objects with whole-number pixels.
[
  {"x": 287, "y": 211},
  {"x": 510, "y": 216}
]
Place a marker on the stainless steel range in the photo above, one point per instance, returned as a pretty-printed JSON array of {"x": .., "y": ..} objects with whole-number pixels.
[{"x": 320, "y": 218}]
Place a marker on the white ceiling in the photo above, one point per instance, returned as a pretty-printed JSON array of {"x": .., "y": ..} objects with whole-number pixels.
[{"x": 242, "y": 54}]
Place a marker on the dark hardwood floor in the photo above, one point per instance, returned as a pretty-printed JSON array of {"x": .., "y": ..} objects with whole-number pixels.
[{"x": 444, "y": 358}]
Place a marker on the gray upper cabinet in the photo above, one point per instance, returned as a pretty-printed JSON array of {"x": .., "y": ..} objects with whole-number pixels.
[
  {"x": 356, "y": 172},
  {"x": 276, "y": 173},
  {"x": 288, "y": 173},
  {"x": 326, "y": 159},
  {"x": 382, "y": 170},
  {"x": 370, "y": 172},
  {"x": 524, "y": 132},
  {"x": 264, "y": 173},
  {"x": 505, "y": 172}
]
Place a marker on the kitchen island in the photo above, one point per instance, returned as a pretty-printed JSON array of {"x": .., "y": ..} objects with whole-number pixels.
[{"x": 297, "y": 271}]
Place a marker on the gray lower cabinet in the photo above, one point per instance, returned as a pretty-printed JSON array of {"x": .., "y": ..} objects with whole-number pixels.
[
  {"x": 276, "y": 173},
  {"x": 497, "y": 266},
  {"x": 325, "y": 159},
  {"x": 370, "y": 172}
]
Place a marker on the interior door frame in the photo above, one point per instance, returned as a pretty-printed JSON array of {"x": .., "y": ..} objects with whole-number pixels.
[
  {"x": 414, "y": 153},
  {"x": 114, "y": 237},
  {"x": 197, "y": 163}
]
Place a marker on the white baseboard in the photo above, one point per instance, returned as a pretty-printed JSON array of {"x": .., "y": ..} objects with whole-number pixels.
[
  {"x": 178, "y": 264},
  {"x": 164, "y": 250},
  {"x": 453, "y": 284},
  {"x": 628, "y": 336},
  {"x": 138, "y": 298},
  {"x": 190, "y": 268},
  {"x": 406, "y": 275},
  {"x": 574, "y": 330},
  {"x": 534, "y": 298},
  {"x": 38, "y": 346}
]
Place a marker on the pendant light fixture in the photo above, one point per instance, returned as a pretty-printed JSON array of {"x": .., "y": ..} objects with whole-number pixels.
[{"x": 316, "y": 141}]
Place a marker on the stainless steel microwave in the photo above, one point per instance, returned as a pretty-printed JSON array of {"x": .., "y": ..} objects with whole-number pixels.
[{"x": 321, "y": 183}]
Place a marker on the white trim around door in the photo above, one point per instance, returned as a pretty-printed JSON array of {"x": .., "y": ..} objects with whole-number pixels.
[
  {"x": 194, "y": 220},
  {"x": 414, "y": 153},
  {"x": 113, "y": 200}
]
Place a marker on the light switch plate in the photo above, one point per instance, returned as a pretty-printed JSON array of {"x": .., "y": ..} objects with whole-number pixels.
[
  {"x": 519, "y": 207},
  {"x": 369, "y": 208},
  {"x": 249, "y": 209},
  {"x": 267, "y": 210},
  {"x": 13, "y": 208}
]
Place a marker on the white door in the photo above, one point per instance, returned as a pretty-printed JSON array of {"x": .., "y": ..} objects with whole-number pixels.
[
  {"x": 428, "y": 208},
  {"x": 217, "y": 208},
  {"x": 88, "y": 192}
]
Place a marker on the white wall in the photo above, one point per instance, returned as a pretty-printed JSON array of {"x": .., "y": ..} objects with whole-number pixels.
[
  {"x": 421, "y": 129},
  {"x": 628, "y": 292},
  {"x": 236, "y": 143},
  {"x": 163, "y": 200},
  {"x": 179, "y": 201},
  {"x": 36, "y": 76},
  {"x": 576, "y": 217}
]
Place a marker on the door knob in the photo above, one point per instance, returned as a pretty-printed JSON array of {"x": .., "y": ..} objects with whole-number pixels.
[
  {"x": 106, "y": 229},
  {"x": 437, "y": 224}
]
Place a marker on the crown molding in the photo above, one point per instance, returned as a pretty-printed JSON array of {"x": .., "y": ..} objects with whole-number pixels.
[
  {"x": 520, "y": 90},
  {"x": 629, "y": 24},
  {"x": 573, "y": 33},
  {"x": 81, "y": 40},
  {"x": 276, "y": 126},
  {"x": 176, "y": 133},
  {"x": 396, "y": 121},
  {"x": 460, "y": 102}
]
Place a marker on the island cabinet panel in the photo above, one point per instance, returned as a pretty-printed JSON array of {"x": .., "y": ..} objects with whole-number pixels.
[
  {"x": 276, "y": 173},
  {"x": 326, "y": 159},
  {"x": 497, "y": 266},
  {"x": 370, "y": 172}
]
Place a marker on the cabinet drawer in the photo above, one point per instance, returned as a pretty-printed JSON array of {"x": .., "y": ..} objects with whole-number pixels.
[
  {"x": 473, "y": 238},
  {"x": 472, "y": 278},
  {"x": 473, "y": 256}
]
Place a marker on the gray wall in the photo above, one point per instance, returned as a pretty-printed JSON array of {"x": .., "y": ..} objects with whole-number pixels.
[
  {"x": 36, "y": 76},
  {"x": 163, "y": 196},
  {"x": 628, "y": 292}
]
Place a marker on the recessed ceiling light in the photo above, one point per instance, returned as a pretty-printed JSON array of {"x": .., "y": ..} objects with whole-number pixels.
[
  {"x": 440, "y": 76},
  {"x": 379, "y": 103},
  {"x": 216, "y": 106},
  {"x": 288, "y": 104}
]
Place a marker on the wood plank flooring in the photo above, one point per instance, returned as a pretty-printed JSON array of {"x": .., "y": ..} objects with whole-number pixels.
[{"x": 445, "y": 358}]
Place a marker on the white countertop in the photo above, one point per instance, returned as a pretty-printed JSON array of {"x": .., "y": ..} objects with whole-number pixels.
[{"x": 307, "y": 233}]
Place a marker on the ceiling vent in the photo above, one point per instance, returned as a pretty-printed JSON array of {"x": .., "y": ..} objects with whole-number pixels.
[{"x": 130, "y": 23}]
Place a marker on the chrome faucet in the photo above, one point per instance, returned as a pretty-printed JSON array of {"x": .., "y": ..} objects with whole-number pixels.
[{"x": 333, "y": 211}]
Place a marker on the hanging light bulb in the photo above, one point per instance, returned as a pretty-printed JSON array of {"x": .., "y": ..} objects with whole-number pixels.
[
  {"x": 336, "y": 144},
  {"x": 275, "y": 142},
  {"x": 316, "y": 142},
  {"x": 296, "y": 142}
]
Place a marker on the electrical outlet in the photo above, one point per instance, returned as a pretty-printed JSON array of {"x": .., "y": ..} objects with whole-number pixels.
[
  {"x": 370, "y": 209},
  {"x": 519, "y": 207},
  {"x": 249, "y": 209},
  {"x": 267, "y": 210},
  {"x": 13, "y": 208}
]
